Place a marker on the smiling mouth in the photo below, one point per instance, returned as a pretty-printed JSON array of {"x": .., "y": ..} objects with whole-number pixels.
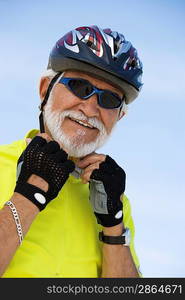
[{"x": 87, "y": 125}]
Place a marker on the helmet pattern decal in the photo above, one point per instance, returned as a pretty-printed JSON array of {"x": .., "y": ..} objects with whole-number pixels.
[
  {"x": 94, "y": 38},
  {"x": 87, "y": 35}
]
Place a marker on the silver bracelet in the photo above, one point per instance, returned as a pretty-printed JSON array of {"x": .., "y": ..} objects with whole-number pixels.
[{"x": 16, "y": 219}]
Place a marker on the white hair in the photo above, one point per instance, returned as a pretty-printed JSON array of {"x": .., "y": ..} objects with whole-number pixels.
[{"x": 49, "y": 73}]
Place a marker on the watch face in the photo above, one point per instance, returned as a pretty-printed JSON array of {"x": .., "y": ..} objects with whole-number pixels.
[{"x": 127, "y": 236}]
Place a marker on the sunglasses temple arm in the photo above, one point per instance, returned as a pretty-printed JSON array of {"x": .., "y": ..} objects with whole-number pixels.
[{"x": 121, "y": 108}]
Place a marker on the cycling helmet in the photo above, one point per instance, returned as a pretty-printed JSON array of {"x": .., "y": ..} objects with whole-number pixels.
[{"x": 102, "y": 53}]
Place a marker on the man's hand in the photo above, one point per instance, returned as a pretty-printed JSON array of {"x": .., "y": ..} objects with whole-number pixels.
[
  {"x": 35, "y": 179},
  {"x": 107, "y": 184},
  {"x": 42, "y": 162},
  {"x": 88, "y": 164}
]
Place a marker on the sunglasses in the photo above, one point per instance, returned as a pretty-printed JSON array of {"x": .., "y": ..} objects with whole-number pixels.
[{"x": 84, "y": 89}]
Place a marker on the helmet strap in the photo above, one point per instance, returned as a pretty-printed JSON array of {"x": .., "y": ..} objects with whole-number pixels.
[{"x": 50, "y": 86}]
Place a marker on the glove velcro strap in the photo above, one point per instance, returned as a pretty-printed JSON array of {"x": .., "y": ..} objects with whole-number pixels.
[{"x": 33, "y": 193}]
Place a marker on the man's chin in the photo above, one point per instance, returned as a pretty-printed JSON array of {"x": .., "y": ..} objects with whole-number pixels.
[
  {"x": 74, "y": 146},
  {"x": 77, "y": 146},
  {"x": 78, "y": 152}
]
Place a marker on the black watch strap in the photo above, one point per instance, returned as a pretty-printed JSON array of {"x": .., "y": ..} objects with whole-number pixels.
[{"x": 113, "y": 240}]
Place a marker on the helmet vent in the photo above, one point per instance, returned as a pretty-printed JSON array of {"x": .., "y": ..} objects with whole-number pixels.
[
  {"x": 89, "y": 44},
  {"x": 133, "y": 63},
  {"x": 115, "y": 47}
]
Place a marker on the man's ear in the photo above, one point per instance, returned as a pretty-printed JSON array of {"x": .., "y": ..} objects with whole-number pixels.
[{"x": 43, "y": 86}]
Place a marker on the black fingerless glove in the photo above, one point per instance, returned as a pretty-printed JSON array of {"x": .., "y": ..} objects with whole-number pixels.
[
  {"x": 47, "y": 161},
  {"x": 107, "y": 184}
]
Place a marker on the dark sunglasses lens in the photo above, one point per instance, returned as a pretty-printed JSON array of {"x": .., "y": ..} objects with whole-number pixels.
[
  {"x": 110, "y": 100},
  {"x": 80, "y": 88}
]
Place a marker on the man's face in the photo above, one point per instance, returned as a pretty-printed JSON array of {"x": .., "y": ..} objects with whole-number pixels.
[{"x": 64, "y": 110}]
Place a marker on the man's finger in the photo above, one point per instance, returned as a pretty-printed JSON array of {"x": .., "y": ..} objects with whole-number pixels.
[
  {"x": 28, "y": 140},
  {"x": 51, "y": 147},
  {"x": 45, "y": 136},
  {"x": 89, "y": 160},
  {"x": 85, "y": 176}
]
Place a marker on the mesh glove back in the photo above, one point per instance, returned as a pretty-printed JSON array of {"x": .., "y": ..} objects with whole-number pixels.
[
  {"x": 47, "y": 161},
  {"x": 107, "y": 184}
]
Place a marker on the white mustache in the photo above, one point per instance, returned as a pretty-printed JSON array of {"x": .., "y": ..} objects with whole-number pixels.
[{"x": 93, "y": 121}]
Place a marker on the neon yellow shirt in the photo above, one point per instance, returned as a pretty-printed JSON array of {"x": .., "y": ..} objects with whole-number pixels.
[{"x": 63, "y": 239}]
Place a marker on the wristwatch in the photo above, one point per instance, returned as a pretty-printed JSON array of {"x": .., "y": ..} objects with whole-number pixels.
[{"x": 123, "y": 239}]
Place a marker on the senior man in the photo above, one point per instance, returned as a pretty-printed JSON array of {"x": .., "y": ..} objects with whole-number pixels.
[{"x": 63, "y": 209}]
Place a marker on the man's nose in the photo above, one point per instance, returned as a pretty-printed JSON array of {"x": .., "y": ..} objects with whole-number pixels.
[{"x": 90, "y": 106}]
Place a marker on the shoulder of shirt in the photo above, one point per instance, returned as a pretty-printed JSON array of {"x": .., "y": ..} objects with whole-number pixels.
[
  {"x": 16, "y": 147},
  {"x": 31, "y": 133}
]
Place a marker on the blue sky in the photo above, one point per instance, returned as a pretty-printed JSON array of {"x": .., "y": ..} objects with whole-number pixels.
[{"x": 149, "y": 142}]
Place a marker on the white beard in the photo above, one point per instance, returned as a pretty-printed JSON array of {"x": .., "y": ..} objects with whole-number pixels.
[{"x": 74, "y": 145}]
